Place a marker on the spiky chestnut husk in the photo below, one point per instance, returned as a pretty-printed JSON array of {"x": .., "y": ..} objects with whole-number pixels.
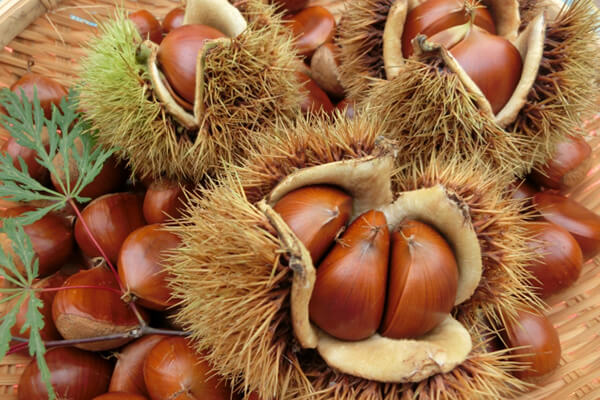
[
  {"x": 249, "y": 84},
  {"x": 566, "y": 85},
  {"x": 233, "y": 278}
]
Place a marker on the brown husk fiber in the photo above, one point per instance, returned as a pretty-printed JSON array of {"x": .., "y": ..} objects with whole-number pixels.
[
  {"x": 428, "y": 107},
  {"x": 232, "y": 278},
  {"x": 250, "y": 84}
]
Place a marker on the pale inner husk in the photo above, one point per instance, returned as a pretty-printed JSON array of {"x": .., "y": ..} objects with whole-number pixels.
[
  {"x": 218, "y": 14},
  {"x": 505, "y": 14},
  {"x": 377, "y": 358}
]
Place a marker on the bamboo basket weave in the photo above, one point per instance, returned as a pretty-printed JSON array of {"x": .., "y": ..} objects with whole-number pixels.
[{"x": 49, "y": 34}]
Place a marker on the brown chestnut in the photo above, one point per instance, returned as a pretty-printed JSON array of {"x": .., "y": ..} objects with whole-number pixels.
[
  {"x": 582, "y": 223},
  {"x": 49, "y": 92},
  {"x": 110, "y": 218},
  {"x": 535, "y": 342},
  {"x": 141, "y": 267},
  {"x": 147, "y": 25},
  {"x": 128, "y": 375},
  {"x": 51, "y": 238},
  {"x": 316, "y": 214},
  {"x": 173, "y": 369},
  {"x": 163, "y": 201},
  {"x": 312, "y": 27},
  {"x": 48, "y": 332},
  {"x": 178, "y": 56},
  {"x": 174, "y": 19},
  {"x": 120, "y": 396},
  {"x": 314, "y": 98},
  {"x": 74, "y": 374},
  {"x": 568, "y": 165},
  {"x": 291, "y": 5},
  {"x": 349, "y": 294},
  {"x": 110, "y": 179},
  {"x": 422, "y": 283},
  {"x": 433, "y": 16},
  {"x": 560, "y": 260},
  {"x": 13, "y": 149},
  {"x": 91, "y": 312}
]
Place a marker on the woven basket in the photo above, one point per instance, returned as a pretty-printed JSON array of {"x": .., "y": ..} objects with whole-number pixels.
[{"x": 49, "y": 33}]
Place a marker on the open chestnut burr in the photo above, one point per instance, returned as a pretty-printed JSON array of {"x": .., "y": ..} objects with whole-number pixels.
[
  {"x": 475, "y": 70},
  {"x": 287, "y": 323}
]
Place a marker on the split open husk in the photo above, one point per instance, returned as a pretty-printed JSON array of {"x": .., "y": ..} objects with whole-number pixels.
[
  {"x": 430, "y": 101},
  {"x": 235, "y": 273},
  {"x": 244, "y": 82}
]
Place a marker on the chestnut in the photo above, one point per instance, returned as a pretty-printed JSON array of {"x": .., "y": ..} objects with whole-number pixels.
[
  {"x": 163, "y": 201},
  {"x": 433, "y": 16},
  {"x": 49, "y": 92},
  {"x": 314, "y": 98},
  {"x": 110, "y": 218},
  {"x": 349, "y": 293},
  {"x": 178, "y": 56},
  {"x": 535, "y": 342},
  {"x": 147, "y": 25},
  {"x": 312, "y": 27},
  {"x": 291, "y": 5},
  {"x": 423, "y": 280},
  {"x": 174, "y": 19},
  {"x": 120, "y": 396},
  {"x": 316, "y": 214},
  {"x": 48, "y": 332},
  {"x": 51, "y": 238},
  {"x": 13, "y": 149},
  {"x": 173, "y": 369},
  {"x": 128, "y": 375},
  {"x": 324, "y": 66},
  {"x": 90, "y": 312},
  {"x": 141, "y": 265},
  {"x": 560, "y": 260},
  {"x": 567, "y": 166},
  {"x": 110, "y": 179},
  {"x": 74, "y": 374},
  {"x": 582, "y": 223}
]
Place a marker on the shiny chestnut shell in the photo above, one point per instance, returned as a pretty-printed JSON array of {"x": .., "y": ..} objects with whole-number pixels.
[
  {"x": 312, "y": 27},
  {"x": 492, "y": 62},
  {"x": 423, "y": 280},
  {"x": 560, "y": 260},
  {"x": 314, "y": 98},
  {"x": 48, "y": 332},
  {"x": 13, "y": 149},
  {"x": 567, "y": 166},
  {"x": 291, "y": 5},
  {"x": 164, "y": 200},
  {"x": 433, "y": 16},
  {"x": 128, "y": 375},
  {"x": 172, "y": 366},
  {"x": 141, "y": 261},
  {"x": 316, "y": 214},
  {"x": 120, "y": 396},
  {"x": 178, "y": 55},
  {"x": 174, "y": 19},
  {"x": 582, "y": 223},
  {"x": 75, "y": 375},
  {"x": 536, "y": 343},
  {"x": 349, "y": 294},
  {"x": 90, "y": 312},
  {"x": 49, "y": 92},
  {"x": 147, "y": 25},
  {"x": 51, "y": 238},
  {"x": 110, "y": 219}
]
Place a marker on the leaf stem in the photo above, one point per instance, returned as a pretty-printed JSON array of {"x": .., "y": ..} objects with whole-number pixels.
[{"x": 131, "y": 334}]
